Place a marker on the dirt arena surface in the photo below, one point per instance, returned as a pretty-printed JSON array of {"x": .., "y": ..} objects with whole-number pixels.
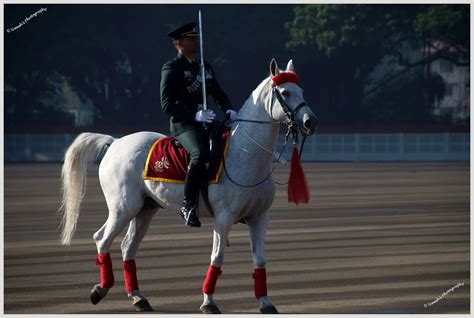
[{"x": 375, "y": 238}]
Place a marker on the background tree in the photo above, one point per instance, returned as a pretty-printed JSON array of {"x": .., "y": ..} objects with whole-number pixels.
[
  {"x": 349, "y": 41},
  {"x": 111, "y": 55}
]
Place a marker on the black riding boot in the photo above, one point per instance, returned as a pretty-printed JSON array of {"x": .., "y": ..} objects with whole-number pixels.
[{"x": 191, "y": 196}]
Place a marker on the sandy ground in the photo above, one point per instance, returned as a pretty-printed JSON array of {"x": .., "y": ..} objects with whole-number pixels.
[{"x": 375, "y": 238}]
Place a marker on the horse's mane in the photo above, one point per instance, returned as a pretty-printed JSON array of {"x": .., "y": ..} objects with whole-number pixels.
[{"x": 257, "y": 92}]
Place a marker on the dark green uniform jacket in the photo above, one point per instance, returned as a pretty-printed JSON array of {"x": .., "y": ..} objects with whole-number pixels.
[{"x": 181, "y": 93}]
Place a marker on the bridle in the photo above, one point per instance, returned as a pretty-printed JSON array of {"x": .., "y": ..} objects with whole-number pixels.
[
  {"x": 290, "y": 114},
  {"x": 277, "y": 80}
]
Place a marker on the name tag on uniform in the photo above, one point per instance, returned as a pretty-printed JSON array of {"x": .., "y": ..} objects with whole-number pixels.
[
  {"x": 187, "y": 74},
  {"x": 208, "y": 76}
]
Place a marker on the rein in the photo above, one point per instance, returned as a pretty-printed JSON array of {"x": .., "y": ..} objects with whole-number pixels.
[
  {"x": 264, "y": 179},
  {"x": 252, "y": 121},
  {"x": 292, "y": 130}
]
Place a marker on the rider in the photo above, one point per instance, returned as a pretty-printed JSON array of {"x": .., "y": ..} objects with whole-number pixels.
[{"x": 181, "y": 97}]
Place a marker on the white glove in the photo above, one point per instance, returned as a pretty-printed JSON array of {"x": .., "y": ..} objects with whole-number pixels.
[
  {"x": 232, "y": 114},
  {"x": 206, "y": 116}
]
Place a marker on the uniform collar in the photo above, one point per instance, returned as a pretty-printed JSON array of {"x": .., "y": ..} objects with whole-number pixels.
[{"x": 184, "y": 58}]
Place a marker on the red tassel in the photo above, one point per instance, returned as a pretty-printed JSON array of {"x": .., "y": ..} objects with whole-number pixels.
[{"x": 298, "y": 190}]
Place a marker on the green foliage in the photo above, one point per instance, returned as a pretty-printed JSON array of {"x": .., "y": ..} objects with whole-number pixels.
[
  {"x": 445, "y": 22},
  {"x": 355, "y": 27},
  {"x": 334, "y": 27},
  {"x": 112, "y": 54},
  {"x": 23, "y": 104},
  {"x": 349, "y": 41},
  {"x": 448, "y": 24},
  {"x": 409, "y": 99}
]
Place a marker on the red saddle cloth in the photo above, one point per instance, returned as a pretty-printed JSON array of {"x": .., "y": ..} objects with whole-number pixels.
[{"x": 167, "y": 162}]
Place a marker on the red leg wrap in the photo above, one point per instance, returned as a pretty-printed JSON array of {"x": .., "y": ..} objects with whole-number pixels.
[
  {"x": 260, "y": 282},
  {"x": 130, "y": 275},
  {"x": 106, "y": 273},
  {"x": 211, "y": 279}
]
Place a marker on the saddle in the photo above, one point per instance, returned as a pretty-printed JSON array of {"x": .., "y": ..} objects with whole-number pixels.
[{"x": 168, "y": 161}]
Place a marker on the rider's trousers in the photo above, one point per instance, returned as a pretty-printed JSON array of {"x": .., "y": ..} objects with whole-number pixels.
[{"x": 196, "y": 143}]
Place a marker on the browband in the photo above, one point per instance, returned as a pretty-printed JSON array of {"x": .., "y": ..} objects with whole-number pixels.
[{"x": 285, "y": 77}]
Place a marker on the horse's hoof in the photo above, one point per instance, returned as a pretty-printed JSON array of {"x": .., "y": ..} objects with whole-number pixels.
[
  {"x": 268, "y": 309},
  {"x": 210, "y": 309},
  {"x": 143, "y": 305},
  {"x": 97, "y": 293},
  {"x": 95, "y": 297}
]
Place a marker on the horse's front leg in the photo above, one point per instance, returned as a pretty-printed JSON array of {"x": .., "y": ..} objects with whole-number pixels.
[
  {"x": 222, "y": 227},
  {"x": 257, "y": 228}
]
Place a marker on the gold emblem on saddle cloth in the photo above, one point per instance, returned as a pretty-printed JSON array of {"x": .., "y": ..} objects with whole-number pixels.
[{"x": 161, "y": 164}]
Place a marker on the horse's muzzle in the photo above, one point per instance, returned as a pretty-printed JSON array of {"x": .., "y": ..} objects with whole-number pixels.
[{"x": 309, "y": 124}]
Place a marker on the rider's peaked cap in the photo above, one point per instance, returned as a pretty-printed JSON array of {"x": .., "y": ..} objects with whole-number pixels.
[{"x": 188, "y": 29}]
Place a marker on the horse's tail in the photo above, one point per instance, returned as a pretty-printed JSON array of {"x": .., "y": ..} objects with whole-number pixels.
[{"x": 83, "y": 151}]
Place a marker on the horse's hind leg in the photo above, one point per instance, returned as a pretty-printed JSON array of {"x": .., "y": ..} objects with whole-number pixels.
[
  {"x": 120, "y": 214},
  {"x": 257, "y": 228},
  {"x": 136, "y": 231}
]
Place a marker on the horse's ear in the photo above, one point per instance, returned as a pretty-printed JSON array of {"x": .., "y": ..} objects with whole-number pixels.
[
  {"x": 290, "y": 67},
  {"x": 274, "y": 67}
]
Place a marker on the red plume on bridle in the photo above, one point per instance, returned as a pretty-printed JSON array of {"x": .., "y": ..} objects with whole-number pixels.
[
  {"x": 285, "y": 77},
  {"x": 298, "y": 190}
]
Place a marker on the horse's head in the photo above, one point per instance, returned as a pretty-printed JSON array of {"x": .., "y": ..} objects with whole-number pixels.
[{"x": 287, "y": 103}]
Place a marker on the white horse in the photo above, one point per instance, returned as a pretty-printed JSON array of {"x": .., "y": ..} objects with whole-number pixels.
[{"x": 134, "y": 201}]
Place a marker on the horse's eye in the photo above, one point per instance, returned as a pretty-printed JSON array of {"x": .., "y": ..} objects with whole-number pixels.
[{"x": 285, "y": 93}]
